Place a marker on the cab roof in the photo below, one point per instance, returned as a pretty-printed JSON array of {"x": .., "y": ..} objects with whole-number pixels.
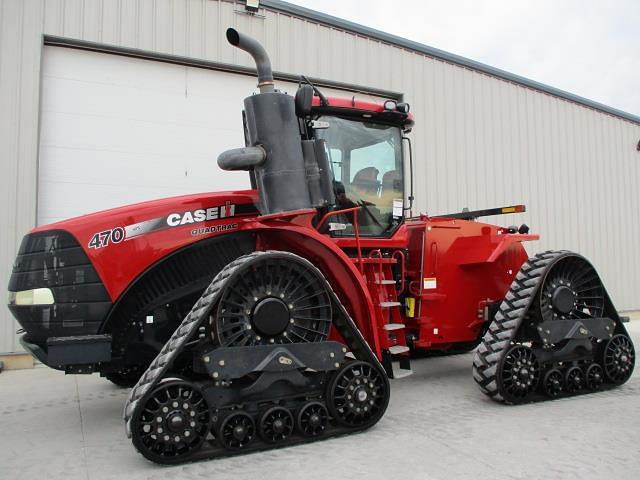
[{"x": 355, "y": 109}]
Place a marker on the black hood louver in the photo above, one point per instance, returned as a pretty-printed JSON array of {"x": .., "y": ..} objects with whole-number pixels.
[{"x": 54, "y": 259}]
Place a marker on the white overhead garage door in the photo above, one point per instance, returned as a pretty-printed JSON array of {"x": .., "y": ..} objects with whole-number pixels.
[{"x": 117, "y": 130}]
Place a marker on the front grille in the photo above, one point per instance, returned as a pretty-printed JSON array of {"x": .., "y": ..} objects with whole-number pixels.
[{"x": 55, "y": 260}]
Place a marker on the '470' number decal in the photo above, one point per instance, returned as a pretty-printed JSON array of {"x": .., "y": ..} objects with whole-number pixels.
[{"x": 102, "y": 239}]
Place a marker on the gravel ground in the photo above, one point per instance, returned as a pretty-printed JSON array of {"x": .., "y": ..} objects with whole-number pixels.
[{"x": 438, "y": 426}]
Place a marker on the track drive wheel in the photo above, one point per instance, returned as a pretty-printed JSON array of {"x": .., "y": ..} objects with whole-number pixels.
[
  {"x": 312, "y": 419},
  {"x": 276, "y": 424},
  {"x": 172, "y": 424},
  {"x": 552, "y": 383},
  {"x": 618, "y": 359},
  {"x": 358, "y": 395},
  {"x": 236, "y": 430},
  {"x": 277, "y": 298},
  {"x": 520, "y": 374}
]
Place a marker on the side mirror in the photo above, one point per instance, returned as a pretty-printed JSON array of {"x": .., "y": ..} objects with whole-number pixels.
[{"x": 303, "y": 101}]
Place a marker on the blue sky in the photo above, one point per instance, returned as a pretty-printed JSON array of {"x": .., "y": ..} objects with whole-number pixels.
[{"x": 589, "y": 48}]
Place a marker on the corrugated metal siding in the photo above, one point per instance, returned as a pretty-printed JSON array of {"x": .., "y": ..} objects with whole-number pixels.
[
  {"x": 20, "y": 46},
  {"x": 479, "y": 141}
]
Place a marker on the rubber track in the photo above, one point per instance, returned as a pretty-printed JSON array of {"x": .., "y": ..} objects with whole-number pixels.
[
  {"x": 201, "y": 311},
  {"x": 508, "y": 319}
]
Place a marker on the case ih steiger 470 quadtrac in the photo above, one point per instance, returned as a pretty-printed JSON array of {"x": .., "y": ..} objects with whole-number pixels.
[{"x": 254, "y": 319}]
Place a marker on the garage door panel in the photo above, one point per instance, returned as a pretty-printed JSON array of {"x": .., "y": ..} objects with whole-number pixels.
[
  {"x": 112, "y": 100},
  {"x": 70, "y": 167},
  {"x": 118, "y": 130},
  {"x": 112, "y": 70},
  {"x": 136, "y": 136}
]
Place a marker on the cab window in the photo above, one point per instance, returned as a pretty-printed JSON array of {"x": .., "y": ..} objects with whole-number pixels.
[{"x": 366, "y": 160}]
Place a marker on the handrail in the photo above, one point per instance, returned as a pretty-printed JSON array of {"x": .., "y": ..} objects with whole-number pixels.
[
  {"x": 402, "y": 267},
  {"x": 356, "y": 229}
]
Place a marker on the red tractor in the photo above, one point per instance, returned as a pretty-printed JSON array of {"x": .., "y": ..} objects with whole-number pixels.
[{"x": 253, "y": 319}]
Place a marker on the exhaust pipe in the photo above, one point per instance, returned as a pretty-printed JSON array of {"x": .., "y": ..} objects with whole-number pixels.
[{"x": 259, "y": 54}]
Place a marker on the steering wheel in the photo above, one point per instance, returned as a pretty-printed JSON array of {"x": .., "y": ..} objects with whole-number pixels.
[{"x": 362, "y": 204}]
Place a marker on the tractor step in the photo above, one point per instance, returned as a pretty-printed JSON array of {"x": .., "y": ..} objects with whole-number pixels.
[
  {"x": 389, "y": 304},
  {"x": 399, "y": 373},
  {"x": 393, "y": 326},
  {"x": 398, "y": 349},
  {"x": 399, "y": 367}
]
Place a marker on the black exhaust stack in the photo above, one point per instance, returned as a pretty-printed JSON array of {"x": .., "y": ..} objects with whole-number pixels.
[
  {"x": 259, "y": 54},
  {"x": 274, "y": 151}
]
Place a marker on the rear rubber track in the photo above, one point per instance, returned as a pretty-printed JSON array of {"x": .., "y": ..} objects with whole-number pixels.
[{"x": 502, "y": 331}]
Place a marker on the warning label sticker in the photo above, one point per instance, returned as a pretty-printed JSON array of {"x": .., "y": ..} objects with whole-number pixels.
[{"x": 429, "y": 283}]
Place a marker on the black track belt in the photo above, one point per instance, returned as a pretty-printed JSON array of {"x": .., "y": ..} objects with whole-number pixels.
[{"x": 203, "y": 308}]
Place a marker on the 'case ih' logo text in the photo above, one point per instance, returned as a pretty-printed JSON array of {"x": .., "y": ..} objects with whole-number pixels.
[
  {"x": 201, "y": 215},
  {"x": 118, "y": 234}
]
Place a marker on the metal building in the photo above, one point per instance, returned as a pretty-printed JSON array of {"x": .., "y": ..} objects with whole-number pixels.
[{"x": 104, "y": 102}]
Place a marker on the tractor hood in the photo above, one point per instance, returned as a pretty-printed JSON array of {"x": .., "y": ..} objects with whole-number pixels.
[{"x": 123, "y": 242}]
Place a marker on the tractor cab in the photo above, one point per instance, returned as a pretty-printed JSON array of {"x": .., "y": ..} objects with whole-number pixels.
[
  {"x": 333, "y": 155},
  {"x": 363, "y": 142}
]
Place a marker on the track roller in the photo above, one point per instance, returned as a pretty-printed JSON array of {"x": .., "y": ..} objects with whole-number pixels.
[
  {"x": 236, "y": 430},
  {"x": 276, "y": 424},
  {"x": 573, "y": 379},
  {"x": 594, "y": 376},
  {"x": 552, "y": 383},
  {"x": 312, "y": 419}
]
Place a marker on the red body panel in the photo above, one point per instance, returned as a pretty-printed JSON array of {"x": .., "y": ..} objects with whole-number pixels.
[
  {"x": 453, "y": 268},
  {"x": 118, "y": 264},
  {"x": 465, "y": 266}
]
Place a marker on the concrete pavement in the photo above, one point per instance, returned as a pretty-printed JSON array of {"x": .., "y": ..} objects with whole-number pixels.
[{"x": 438, "y": 426}]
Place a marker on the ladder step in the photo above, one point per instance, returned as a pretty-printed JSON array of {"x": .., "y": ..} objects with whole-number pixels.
[
  {"x": 393, "y": 326},
  {"x": 389, "y": 304},
  {"x": 401, "y": 373},
  {"x": 384, "y": 282},
  {"x": 397, "y": 349}
]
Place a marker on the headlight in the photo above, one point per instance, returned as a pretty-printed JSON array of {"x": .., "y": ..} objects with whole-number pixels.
[{"x": 37, "y": 296}]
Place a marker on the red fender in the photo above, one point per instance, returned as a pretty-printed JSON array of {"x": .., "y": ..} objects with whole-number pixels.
[{"x": 347, "y": 282}]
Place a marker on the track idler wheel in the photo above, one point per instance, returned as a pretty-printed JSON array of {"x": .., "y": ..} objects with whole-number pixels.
[
  {"x": 618, "y": 359},
  {"x": 312, "y": 419},
  {"x": 172, "y": 424},
  {"x": 236, "y": 430},
  {"x": 520, "y": 374},
  {"x": 574, "y": 379},
  {"x": 358, "y": 395},
  {"x": 275, "y": 424},
  {"x": 552, "y": 383},
  {"x": 594, "y": 376}
]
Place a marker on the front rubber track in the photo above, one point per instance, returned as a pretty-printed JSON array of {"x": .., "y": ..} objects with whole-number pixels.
[{"x": 200, "y": 312}]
